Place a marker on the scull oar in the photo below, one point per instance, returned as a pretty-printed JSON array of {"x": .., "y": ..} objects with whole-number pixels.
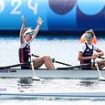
[
  {"x": 72, "y": 67},
  {"x": 15, "y": 65},
  {"x": 99, "y": 72},
  {"x": 35, "y": 77}
]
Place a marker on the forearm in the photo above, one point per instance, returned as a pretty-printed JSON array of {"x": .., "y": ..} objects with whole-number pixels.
[
  {"x": 39, "y": 23},
  {"x": 36, "y": 31},
  {"x": 22, "y": 32},
  {"x": 22, "y": 28},
  {"x": 85, "y": 58}
]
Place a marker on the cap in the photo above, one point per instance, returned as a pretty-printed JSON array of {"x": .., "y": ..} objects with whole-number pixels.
[{"x": 28, "y": 31}]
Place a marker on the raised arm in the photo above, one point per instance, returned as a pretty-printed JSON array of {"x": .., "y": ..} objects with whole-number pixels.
[
  {"x": 22, "y": 30},
  {"x": 36, "y": 30}
]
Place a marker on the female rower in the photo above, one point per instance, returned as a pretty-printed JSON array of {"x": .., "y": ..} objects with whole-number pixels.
[
  {"x": 26, "y": 37},
  {"x": 86, "y": 52}
]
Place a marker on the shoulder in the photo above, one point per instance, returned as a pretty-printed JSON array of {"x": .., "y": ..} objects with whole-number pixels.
[
  {"x": 82, "y": 47},
  {"x": 23, "y": 45},
  {"x": 95, "y": 47}
]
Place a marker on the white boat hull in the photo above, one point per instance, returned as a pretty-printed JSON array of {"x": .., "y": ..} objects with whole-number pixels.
[
  {"x": 15, "y": 73},
  {"x": 70, "y": 94}
]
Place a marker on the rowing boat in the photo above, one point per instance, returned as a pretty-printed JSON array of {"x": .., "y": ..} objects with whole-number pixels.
[{"x": 41, "y": 73}]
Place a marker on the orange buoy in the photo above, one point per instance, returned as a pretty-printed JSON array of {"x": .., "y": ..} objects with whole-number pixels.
[{"x": 83, "y": 39}]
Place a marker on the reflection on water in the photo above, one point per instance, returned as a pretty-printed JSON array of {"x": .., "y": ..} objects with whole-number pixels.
[
  {"x": 87, "y": 83},
  {"x": 52, "y": 86},
  {"x": 39, "y": 102},
  {"x": 64, "y": 50}
]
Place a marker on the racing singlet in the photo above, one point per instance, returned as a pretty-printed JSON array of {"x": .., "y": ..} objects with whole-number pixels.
[
  {"x": 24, "y": 57},
  {"x": 86, "y": 53}
]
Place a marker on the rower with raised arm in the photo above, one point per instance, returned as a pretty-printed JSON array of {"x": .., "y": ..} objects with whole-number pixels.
[
  {"x": 89, "y": 51},
  {"x": 26, "y": 37}
]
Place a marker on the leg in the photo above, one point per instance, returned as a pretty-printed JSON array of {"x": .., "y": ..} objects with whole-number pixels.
[
  {"x": 43, "y": 60},
  {"x": 101, "y": 64}
]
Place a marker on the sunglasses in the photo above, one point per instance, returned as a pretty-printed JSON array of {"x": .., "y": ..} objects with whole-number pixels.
[
  {"x": 30, "y": 33},
  {"x": 89, "y": 37}
]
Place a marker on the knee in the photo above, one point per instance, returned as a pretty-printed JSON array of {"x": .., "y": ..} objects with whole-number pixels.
[{"x": 46, "y": 58}]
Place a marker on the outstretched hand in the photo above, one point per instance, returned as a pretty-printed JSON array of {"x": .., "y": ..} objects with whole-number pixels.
[
  {"x": 23, "y": 19},
  {"x": 40, "y": 21}
]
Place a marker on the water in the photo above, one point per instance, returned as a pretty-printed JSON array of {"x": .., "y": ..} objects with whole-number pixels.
[{"x": 64, "y": 50}]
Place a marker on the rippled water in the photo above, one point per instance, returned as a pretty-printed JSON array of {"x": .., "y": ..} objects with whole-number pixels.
[{"x": 64, "y": 50}]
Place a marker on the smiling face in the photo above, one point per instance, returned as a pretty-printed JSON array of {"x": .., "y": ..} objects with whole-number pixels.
[{"x": 28, "y": 34}]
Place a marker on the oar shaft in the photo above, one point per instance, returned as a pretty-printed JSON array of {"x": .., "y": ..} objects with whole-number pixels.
[
  {"x": 55, "y": 61},
  {"x": 15, "y": 65},
  {"x": 35, "y": 55},
  {"x": 72, "y": 67},
  {"x": 99, "y": 72},
  {"x": 62, "y": 63},
  {"x": 102, "y": 57}
]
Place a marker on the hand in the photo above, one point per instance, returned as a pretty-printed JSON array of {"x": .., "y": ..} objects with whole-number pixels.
[
  {"x": 53, "y": 60},
  {"x": 30, "y": 54},
  {"x": 99, "y": 54},
  {"x": 39, "y": 21},
  {"x": 94, "y": 56},
  {"x": 23, "y": 19}
]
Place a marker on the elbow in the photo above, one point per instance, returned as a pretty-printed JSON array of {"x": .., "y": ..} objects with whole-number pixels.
[{"x": 79, "y": 58}]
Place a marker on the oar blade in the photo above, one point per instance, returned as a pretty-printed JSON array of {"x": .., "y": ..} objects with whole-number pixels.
[
  {"x": 35, "y": 78},
  {"x": 101, "y": 79}
]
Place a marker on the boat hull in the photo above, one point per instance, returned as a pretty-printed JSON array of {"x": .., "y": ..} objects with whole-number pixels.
[
  {"x": 70, "y": 94},
  {"x": 16, "y": 73}
]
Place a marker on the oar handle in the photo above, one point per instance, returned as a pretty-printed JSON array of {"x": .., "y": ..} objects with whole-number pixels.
[
  {"x": 35, "y": 55},
  {"x": 55, "y": 61}
]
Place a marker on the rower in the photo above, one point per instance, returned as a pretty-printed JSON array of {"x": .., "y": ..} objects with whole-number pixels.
[
  {"x": 89, "y": 51},
  {"x": 26, "y": 37}
]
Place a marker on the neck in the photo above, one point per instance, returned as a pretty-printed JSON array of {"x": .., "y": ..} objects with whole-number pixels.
[{"x": 89, "y": 42}]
